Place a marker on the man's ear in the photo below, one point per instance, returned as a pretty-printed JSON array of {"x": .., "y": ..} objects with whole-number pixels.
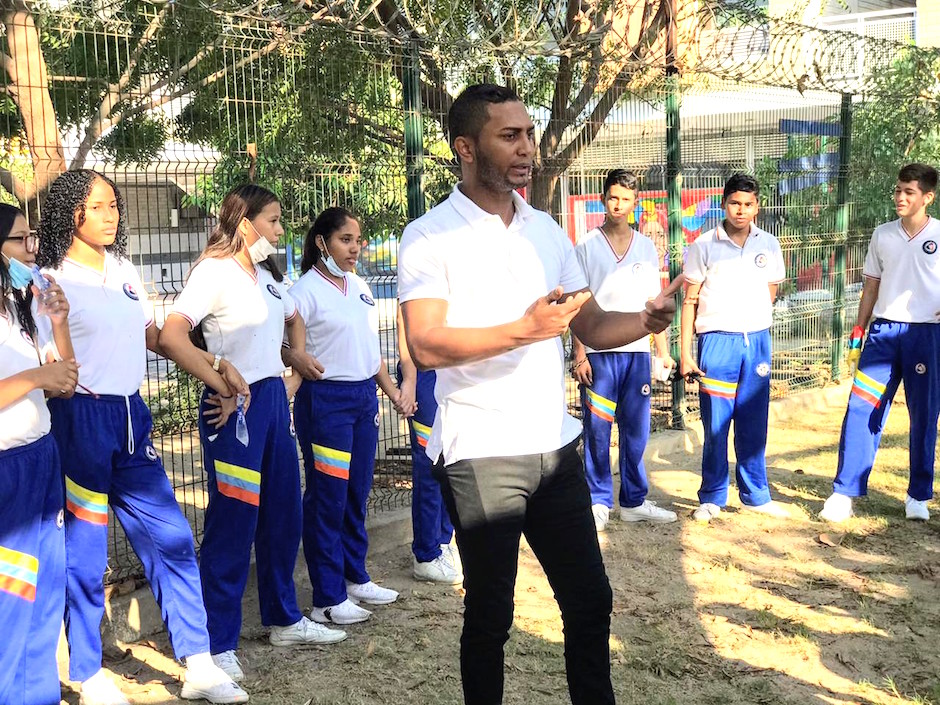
[{"x": 463, "y": 148}]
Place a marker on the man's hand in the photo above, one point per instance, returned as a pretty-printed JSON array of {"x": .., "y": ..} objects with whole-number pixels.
[
  {"x": 688, "y": 367},
  {"x": 660, "y": 311},
  {"x": 549, "y": 316},
  {"x": 407, "y": 406},
  {"x": 582, "y": 372}
]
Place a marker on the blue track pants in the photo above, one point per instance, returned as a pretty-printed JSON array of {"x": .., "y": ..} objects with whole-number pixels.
[
  {"x": 338, "y": 429},
  {"x": 32, "y": 573},
  {"x": 108, "y": 458},
  {"x": 736, "y": 387},
  {"x": 894, "y": 352},
  {"x": 620, "y": 391},
  {"x": 254, "y": 497}
]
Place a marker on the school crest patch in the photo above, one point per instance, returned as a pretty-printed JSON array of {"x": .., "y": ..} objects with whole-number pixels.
[
  {"x": 645, "y": 390},
  {"x": 763, "y": 369},
  {"x": 367, "y": 299},
  {"x": 130, "y": 293},
  {"x": 151, "y": 453},
  {"x": 60, "y": 519},
  {"x": 929, "y": 247},
  {"x": 761, "y": 260},
  {"x": 920, "y": 368},
  {"x": 376, "y": 420},
  {"x": 274, "y": 292},
  {"x": 637, "y": 268}
]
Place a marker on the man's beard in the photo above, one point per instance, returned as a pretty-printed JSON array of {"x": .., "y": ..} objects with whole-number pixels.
[{"x": 494, "y": 180}]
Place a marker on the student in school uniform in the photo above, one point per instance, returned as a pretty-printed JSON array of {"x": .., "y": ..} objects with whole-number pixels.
[
  {"x": 732, "y": 274},
  {"x": 337, "y": 418},
  {"x": 435, "y": 558},
  {"x": 236, "y": 298},
  {"x": 902, "y": 281},
  {"x": 622, "y": 271},
  {"x": 32, "y": 542},
  {"x": 103, "y": 434}
]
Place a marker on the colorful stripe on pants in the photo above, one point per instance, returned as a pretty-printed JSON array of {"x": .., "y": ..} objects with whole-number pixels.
[
  {"x": 331, "y": 462},
  {"x": 18, "y": 573},
  {"x": 717, "y": 388},
  {"x": 86, "y": 504},
  {"x": 422, "y": 432},
  {"x": 868, "y": 389},
  {"x": 238, "y": 483},
  {"x": 599, "y": 406}
]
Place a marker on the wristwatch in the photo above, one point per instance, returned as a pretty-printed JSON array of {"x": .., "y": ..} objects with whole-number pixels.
[{"x": 216, "y": 362}]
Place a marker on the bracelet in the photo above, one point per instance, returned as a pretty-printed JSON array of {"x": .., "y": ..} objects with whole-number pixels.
[
  {"x": 222, "y": 396},
  {"x": 578, "y": 364}
]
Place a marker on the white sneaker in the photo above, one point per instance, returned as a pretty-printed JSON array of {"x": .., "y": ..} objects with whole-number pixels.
[
  {"x": 837, "y": 508},
  {"x": 706, "y": 512},
  {"x": 601, "y": 514},
  {"x": 346, "y": 612},
  {"x": 648, "y": 511},
  {"x": 212, "y": 684},
  {"x": 370, "y": 593},
  {"x": 100, "y": 690},
  {"x": 449, "y": 550},
  {"x": 438, "y": 570},
  {"x": 305, "y": 632},
  {"x": 916, "y": 509},
  {"x": 771, "y": 508},
  {"x": 230, "y": 665}
]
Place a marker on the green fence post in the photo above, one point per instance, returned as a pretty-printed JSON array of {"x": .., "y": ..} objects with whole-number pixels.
[
  {"x": 674, "y": 201},
  {"x": 414, "y": 133},
  {"x": 842, "y": 228}
]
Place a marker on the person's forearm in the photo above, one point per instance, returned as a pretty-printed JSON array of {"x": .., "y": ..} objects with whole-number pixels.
[
  {"x": 608, "y": 329},
  {"x": 578, "y": 351},
  {"x": 17, "y": 386},
  {"x": 686, "y": 329},
  {"x": 296, "y": 338},
  {"x": 385, "y": 382},
  {"x": 62, "y": 337},
  {"x": 409, "y": 373},
  {"x": 443, "y": 346},
  {"x": 176, "y": 346},
  {"x": 661, "y": 344},
  {"x": 867, "y": 304}
]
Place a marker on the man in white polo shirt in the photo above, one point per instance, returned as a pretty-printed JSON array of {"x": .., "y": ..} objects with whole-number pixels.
[
  {"x": 902, "y": 291},
  {"x": 488, "y": 285},
  {"x": 732, "y": 274}
]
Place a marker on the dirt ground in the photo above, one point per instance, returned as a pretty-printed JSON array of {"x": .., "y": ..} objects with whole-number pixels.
[{"x": 744, "y": 610}]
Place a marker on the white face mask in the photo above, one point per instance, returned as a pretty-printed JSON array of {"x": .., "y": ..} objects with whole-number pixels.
[
  {"x": 330, "y": 263},
  {"x": 260, "y": 249}
]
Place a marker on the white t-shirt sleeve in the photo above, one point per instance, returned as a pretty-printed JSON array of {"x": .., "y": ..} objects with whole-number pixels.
[
  {"x": 197, "y": 299},
  {"x": 145, "y": 303},
  {"x": 873, "y": 266},
  {"x": 572, "y": 276},
  {"x": 694, "y": 267},
  {"x": 778, "y": 270},
  {"x": 290, "y": 305},
  {"x": 421, "y": 272}
]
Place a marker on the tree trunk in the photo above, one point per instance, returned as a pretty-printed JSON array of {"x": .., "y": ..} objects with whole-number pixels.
[
  {"x": 29, "y": 88},
  {"x": 542, "y": 189}
]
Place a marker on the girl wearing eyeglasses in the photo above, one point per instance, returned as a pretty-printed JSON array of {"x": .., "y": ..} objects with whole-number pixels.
[{"x": 32, "y": 543}]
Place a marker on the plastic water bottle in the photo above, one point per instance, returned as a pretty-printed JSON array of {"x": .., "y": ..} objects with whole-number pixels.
[
  {"x": 43, "y": 285},
  {"x": 241, "y": 424}
]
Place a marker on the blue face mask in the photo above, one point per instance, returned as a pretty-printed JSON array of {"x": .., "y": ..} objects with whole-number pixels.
[{"x": 21, "y": 276}]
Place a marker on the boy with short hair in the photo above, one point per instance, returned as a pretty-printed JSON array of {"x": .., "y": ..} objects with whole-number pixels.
[
  {"x": 902, "y": 281},
  {"x": 622, "y": 271},
  {"x": 732, "y": 274}
]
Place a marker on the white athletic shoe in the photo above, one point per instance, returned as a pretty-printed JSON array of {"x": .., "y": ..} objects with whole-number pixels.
[
  {"x": 213, "y": 684},
  {"x": 439, "y": 570},
  {"x": 771, "y": 509},
  {"x": 648, "y": 511},
  {"x": 305, "y": 632},
  {"x": 370, "y": 593},
  {"x": 449, "y": 550},
  {"x": 229, "y": 663},
  {"x": 916, "y": 509},
  {"x": 601, "y": 516},
  {"x": 706, "y": 512},
  {"x": 346, "y": 612},
  {"x": 100, "y": 690},
  {"x": 837, "y": 508}
]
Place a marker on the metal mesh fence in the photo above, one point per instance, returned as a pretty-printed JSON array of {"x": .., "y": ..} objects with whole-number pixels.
[{"x": 178, "y": 102}]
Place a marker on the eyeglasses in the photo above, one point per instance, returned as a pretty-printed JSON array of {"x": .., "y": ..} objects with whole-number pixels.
[{"x": 30, "y": 242}]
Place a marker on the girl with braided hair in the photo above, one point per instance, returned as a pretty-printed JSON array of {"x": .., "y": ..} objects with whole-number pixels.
[
  {"x": 104, "y": 435},
  {"x": 32, "y": 546}
]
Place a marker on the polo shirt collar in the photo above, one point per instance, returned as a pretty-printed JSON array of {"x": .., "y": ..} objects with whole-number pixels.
[
  {"x": 473, "y": 214},
  {"x": 722, "y": 235}
]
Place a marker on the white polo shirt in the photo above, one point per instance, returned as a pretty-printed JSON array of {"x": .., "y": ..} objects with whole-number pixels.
[
  {"x": 342, "y": 325},
  {"x": 514, "y": 403},
  {"x": 27, "y": 419},
  {"x": 734, "y": 297},
  {"x": 242, "y": 314},
  {"x": 623, "y": 283},
  {"x": 909, "y": 270},
  {"x": 109, "y": 313}
]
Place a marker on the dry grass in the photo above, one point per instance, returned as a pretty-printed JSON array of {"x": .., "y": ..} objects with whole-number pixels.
[{"x": 745, "y": 610}]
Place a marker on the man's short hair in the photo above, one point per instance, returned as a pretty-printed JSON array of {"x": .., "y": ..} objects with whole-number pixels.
[
  {"x": 740, "y": 182},
  {"x": 468, "y": 113},
  {"x": 924, "y": 174},
  {"x": 620, "y": 177}
]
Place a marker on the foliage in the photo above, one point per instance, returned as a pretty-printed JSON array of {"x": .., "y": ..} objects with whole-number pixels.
[{"x": 175, "y": 406}]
